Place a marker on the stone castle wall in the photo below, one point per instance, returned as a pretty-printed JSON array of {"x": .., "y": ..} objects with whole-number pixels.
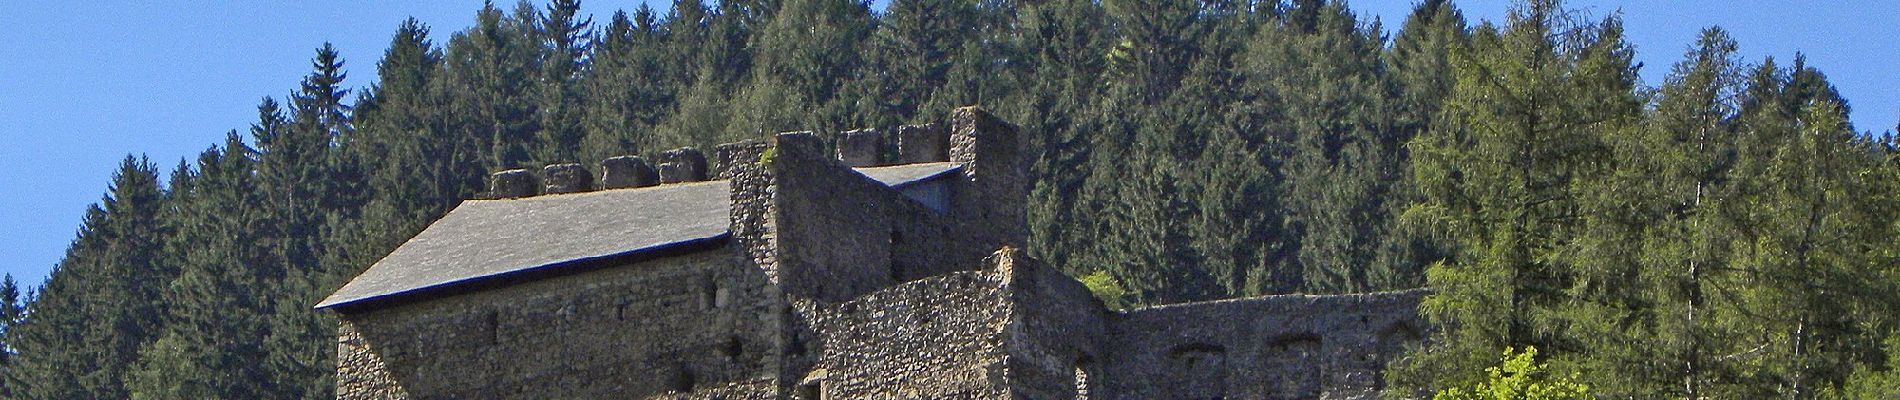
[
  {"x": 1273, "y": 347},
  {"x": 934, "y": 338},
  {"x": 834, "y": 247},
  {"x": 1057, "y": 331},
  {"x": 822, "y": 234},
  {"x": 1009, "y": 330},
  {"x": 671, "y": 325}
]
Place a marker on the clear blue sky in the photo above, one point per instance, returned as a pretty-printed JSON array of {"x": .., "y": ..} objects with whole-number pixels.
[{"x": 82, "y": 84}]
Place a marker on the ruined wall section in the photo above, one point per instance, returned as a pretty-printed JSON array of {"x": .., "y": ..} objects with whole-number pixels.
[
  {"x": 934, "y": 338},
  {"x": 667, "y": 327},
  {"x": 833, "y": 228},
  {"x": 1056, "y": 331},
  {"x": 755, "y": 232},
  {"x": 1013, "y": 329},
  {"x": 1273, "y": 347},
  {"x": 995, "y": 189},
  {"x": 839, "y": 234}
]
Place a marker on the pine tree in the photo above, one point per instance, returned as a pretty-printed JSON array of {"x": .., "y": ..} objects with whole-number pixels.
[
  {"x": 629, "y": 90},
  {"x": 12, "y": 312},
  {"x": 489, "y": 70},
  {"x": 215, "y": 329},
  {"x": 1500, "y": 178},
  {"x": 805, "y": 55},
  {"x": 911, "y": 54},
  {"x": 101, "y": 303},
  {"x": 564, "y": 41},
  {"x": 1321, "y": 80},
  {"x": 1816, "y": 301},
  {"x": 1064, "y": 71}
]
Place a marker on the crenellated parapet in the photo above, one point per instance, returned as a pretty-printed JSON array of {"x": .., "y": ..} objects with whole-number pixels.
[{"x": 862, "y": 148}]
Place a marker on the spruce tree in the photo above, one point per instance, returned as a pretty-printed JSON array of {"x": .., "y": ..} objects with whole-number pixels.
[
  {"x": 564, "y": 41},
  {"x": 214, "y": 335},
  {"x": 1500, "y": 177},
  {"x": 101, "y": 303},
  {"x": 629, "y": 89}
]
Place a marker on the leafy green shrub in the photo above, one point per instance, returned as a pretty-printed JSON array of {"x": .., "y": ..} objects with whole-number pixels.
[
  {"x": 1519, "y": 377},
  {"x": 1107, "y": 288}
]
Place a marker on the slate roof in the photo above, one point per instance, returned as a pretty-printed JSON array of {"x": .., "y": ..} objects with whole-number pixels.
[
  {"x": 900, "y": 175},
  {"x": 487, "y": 239}
]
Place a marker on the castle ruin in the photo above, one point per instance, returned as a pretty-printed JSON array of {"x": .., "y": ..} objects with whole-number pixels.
[{"x": 800, "y": 273}]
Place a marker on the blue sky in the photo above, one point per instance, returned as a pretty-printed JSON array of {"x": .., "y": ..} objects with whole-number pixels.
[{"x": 82, "y": 84}]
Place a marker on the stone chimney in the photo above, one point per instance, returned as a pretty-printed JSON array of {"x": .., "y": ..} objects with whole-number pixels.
[
  {"x": 683, "y": 164},
  {"x": 627, "y": 171},
  {"x": 567, "y": 178},
  {"x": 922, "y": 144},
  {"x": 514, "y": 183},
  {"x": 861, "y": 148}
]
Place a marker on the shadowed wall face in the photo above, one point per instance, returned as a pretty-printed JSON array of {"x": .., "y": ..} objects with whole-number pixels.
[
  {"x": 1274, "y": 347},
  {"x": 672, "y": 325},
  {"x": 840, "y": 235}
]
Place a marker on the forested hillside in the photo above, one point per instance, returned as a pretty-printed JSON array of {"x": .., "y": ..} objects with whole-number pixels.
[{"x": 1725, "y": 235}]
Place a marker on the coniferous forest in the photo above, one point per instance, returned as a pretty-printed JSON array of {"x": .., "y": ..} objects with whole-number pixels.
[{"x": 1725, "y": 235}]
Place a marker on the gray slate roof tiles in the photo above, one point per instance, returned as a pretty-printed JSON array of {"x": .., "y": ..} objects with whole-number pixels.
[{"x": 484, "y": 239}]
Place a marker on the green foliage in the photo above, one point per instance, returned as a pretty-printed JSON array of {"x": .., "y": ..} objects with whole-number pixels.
[
  {"x": 1870, "y": 383},
  {"x": 1519, "y": 377},
  {"x": 1105, "y": 287},
  {"x": 769, "y": 156}
]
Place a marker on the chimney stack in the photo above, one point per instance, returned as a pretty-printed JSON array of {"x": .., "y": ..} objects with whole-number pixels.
[
  {"x": 514, "y": 183},
  {"x": 627, "y": 171},
  {"x": 567, "y": 178},
  {"x": 683, "y": 164}
]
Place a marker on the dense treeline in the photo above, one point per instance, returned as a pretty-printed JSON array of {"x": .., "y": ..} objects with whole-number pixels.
[{"x": 1725, "y": 235}]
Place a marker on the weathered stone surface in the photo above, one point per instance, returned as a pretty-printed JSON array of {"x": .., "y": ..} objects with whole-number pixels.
[
  {"x": 1272, "y": 347},
  {"x": 996, "y": 174},
  {"x": 669, "y": 326},
  {"x": 727, "y": 154},
  {"x": 922, "y": 143},
  {"x": 861, "y": 148},
  {"x": 934, "y": 338},
  {"x": 567, "y": 178},
  {"x": 514, "y": 183},
  {"x": 627, "y": 171},
  {"x": 683, "y": 164},
  {"x": 834, "y": 247}
]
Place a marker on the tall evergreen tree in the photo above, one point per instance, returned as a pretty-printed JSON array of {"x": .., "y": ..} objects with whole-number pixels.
[
  {"x": 564, "y": 39},
  {"x": 12, "y": 311},
  {"x": 215, "y": 329},
  {"x": 1065, "y": 69},
  {"x": 910, "y": 58},
  {"x": 101, "y": 303},
  {"x": 629, "y": 89},
  {"x": 805, "y": 55},
  {"x": 1321, "y": 79},
  {"x": 490, "y": 68},
  {"x": 1500, "y": 179}
]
